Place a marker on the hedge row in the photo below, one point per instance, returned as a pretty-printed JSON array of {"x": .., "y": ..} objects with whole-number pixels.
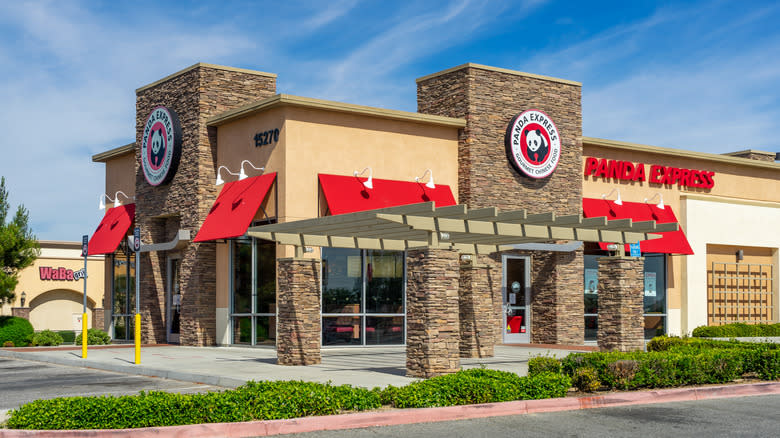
[
  {"x": 15, "y": 331},
  {"x": 276, "y": 400},
  {"x": 737, "y": 330},
  {"x": 671, "y": 362}
]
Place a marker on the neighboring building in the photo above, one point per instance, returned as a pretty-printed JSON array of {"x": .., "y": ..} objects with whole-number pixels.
[
  {"x": 53, "y": 289},
  {"x": 204, "y": 281}
]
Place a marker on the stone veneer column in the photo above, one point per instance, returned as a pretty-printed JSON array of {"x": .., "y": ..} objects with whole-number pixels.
[
  {"x": 488, "y": 98},
  {"x": 196, "y": 94},
  {"x": 557, "y": 308},
  {"x": 98, "y": 314},
  {"x": 298, "y": 339},
  {"x": 432, "y": 313},
  {"x": 621, "y": 299},
  {"x": 478, "y": 322}
]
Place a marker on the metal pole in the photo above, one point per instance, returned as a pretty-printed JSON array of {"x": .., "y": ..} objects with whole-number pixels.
[
  {"x": 137, "y": 308},
  {"x": 84, "y": 329},
  {"x": 137, "y": 248}
]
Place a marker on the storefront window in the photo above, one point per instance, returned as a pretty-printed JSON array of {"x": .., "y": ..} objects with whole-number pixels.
[
  {"x": 362, "y": 297},
  {"x": 654, "y": 286},
  {"x": 123, "y": 294},
  {"x": 253, "y": 298}
]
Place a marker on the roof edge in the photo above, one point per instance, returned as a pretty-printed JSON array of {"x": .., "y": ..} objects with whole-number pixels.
[
  {"x": 203, "y": 64},
  {"x": 499, "y": 70},
  {"x": 750, "y": 151},
  {"x": 718, "y": 158},
  {"x": 308, "y": 102},
  {"x": 102, "y": 157}
]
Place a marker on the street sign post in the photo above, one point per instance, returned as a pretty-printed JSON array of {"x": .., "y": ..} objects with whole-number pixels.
[{"x": 137, "y": 249}]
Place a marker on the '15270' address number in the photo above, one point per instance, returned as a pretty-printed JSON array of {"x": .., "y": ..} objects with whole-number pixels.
[{"x": 267, "y": 137}]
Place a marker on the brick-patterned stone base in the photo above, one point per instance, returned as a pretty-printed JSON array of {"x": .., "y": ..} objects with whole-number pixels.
[
  {"x": 298, "y": 306},
  {"x": 621, "y": 284},
  {"x": 557, "y": 308},
  {"x": 477, "y": 319},
  {"x": 432, "y": 324},
  {"x": 98, "y": 316},
  {"x": 21, "y": 312}
]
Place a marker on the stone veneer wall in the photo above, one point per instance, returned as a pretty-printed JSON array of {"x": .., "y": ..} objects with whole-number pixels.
[
  {"x": 621, "y": 299},
  {"x": 299, "y": 335},
  {"x": 196, "y": 95},
  {"x": 432, "y": 318},
  {"x": 21, "y": 312},
  {"x": 488, "y": 99},
  {"x": 98, "y": 318},
  {"x": 478, "y": 322}
]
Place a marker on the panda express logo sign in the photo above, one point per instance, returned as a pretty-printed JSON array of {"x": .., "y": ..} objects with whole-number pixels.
[
  {"x": 533, "y": 144},
  {"x": 161, "y": 146}
]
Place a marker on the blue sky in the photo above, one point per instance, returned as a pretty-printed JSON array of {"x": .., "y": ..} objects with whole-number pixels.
[{"x": 701, "y": 76}]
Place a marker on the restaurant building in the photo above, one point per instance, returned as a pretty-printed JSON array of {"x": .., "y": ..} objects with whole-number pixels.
[
  {"x": 257, "y": 227},
  {"x": 50, "y": 292}
]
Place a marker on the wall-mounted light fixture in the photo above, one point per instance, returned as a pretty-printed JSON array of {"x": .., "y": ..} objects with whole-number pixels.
[
  {"x": 242, "y": 174},
  {"x": 102, "y": 204},
  {"x": 308, "y": 249},
  {"x": 369, "y": 183},
  {"x": 221, "y": 181},
  {"x": 740, "y": 255},
  {"x": 618, "y": 201},
  {"x": 660, "y": 196},
  {"x": 23, "y": 297},
  {"x": 430, "y": 183},
  {"x": 465, "y": 257}
]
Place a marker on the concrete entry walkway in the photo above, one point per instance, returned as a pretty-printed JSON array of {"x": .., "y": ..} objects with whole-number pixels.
[{"x": 232, "y": 366}]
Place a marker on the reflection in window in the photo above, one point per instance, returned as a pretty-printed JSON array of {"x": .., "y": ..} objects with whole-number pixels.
[
  {"x": 253, "y": 315},
  {"x": 362, "y": 297}
]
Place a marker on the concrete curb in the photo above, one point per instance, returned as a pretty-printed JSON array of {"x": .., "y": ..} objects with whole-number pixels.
[
  {"x": 410, "y": 416},
  {"x": 226, "y": 382}
]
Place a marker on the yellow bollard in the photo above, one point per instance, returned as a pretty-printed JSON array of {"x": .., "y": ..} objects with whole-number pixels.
[
  {"x": 137, "y": 338},
  {"x": 84, "y": 335}
]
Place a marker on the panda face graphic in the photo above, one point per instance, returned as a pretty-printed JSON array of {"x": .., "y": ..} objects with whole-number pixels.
[
  {"x": 537, "y": 147},
  {"x": 158, "y": 149}
]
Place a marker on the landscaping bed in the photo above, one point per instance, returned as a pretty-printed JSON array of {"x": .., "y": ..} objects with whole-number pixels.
[{"x": 670, "y": 362}]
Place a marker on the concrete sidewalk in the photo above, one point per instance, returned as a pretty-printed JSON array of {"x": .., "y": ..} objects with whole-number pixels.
[{"x": 232, "y": 366}]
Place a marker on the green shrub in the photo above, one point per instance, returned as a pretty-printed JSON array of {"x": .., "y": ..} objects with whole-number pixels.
[
  {"x": 622, "y": 372},
  {"x": 94, "y": 337},
  {"x": 737, "y": 330},
  {"x": 47, "y": 337},
  {"x": 8, "y": 344},
  {"x": 15, "y": 329},
  {"x": 477, "y": 386},
  {"x": 543, "y": 364},
  {"x": 253, "y": 401},
  {"x": 663, "y": 343},
  {"x": 586, "y": 379},
  {"x": 68, "y": 336}
]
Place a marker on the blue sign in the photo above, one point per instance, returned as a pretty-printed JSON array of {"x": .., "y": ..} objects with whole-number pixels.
[
  {"x": 635, "y": 252},
  {"x": 84, "y": 245},
  {"x": 137, "y": 239}
]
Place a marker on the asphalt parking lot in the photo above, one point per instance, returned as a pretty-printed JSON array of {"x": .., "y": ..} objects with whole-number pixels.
[{"x": 23, "y": 381}]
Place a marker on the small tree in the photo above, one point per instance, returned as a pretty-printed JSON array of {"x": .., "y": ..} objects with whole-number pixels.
[{"x": 18, "y": 246}]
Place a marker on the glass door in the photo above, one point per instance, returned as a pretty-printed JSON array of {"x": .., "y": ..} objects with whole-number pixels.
[
  {"x": 173, "y": 299},
  {"x": 516, "y": 292}
]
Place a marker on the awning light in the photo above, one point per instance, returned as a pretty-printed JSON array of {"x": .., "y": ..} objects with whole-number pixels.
[
  {"x": 221, "y": 181},
  {"x": 660, "y": 204},
  {"x": 618, "y": 201},
  {"x": 369, "y": 184},
  {"x": 430, "y": 183},
  {"x": 242, "y": 174}
]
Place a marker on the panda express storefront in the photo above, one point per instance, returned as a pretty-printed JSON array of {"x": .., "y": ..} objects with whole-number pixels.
[{"x": 326, "y": 226}]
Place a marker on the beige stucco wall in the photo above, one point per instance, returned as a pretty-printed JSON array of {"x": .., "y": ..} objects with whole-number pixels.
[
  {"x": 120, "y": 175},
  {"x": 735, "y": 184},
  {"x": 53, "y": 303}
]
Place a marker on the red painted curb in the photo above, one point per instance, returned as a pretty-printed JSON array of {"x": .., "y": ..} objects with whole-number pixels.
[{"x": 409, "y": 416}]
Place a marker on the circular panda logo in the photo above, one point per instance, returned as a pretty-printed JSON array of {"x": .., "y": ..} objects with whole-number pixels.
[
  {"x": 533, "y": 144},
  {"x": 161, "y": 146}
]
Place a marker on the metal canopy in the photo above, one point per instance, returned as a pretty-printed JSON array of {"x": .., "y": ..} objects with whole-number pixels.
[{"x": 476, "y": 231}]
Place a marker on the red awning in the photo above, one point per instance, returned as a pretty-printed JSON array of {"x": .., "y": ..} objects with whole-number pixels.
[
  {"x": 346, "y": 194},
  {"x": 112, "y": 229},
  {"x": 672, "y": 242},
  {"x": 235, "y": 207}
]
